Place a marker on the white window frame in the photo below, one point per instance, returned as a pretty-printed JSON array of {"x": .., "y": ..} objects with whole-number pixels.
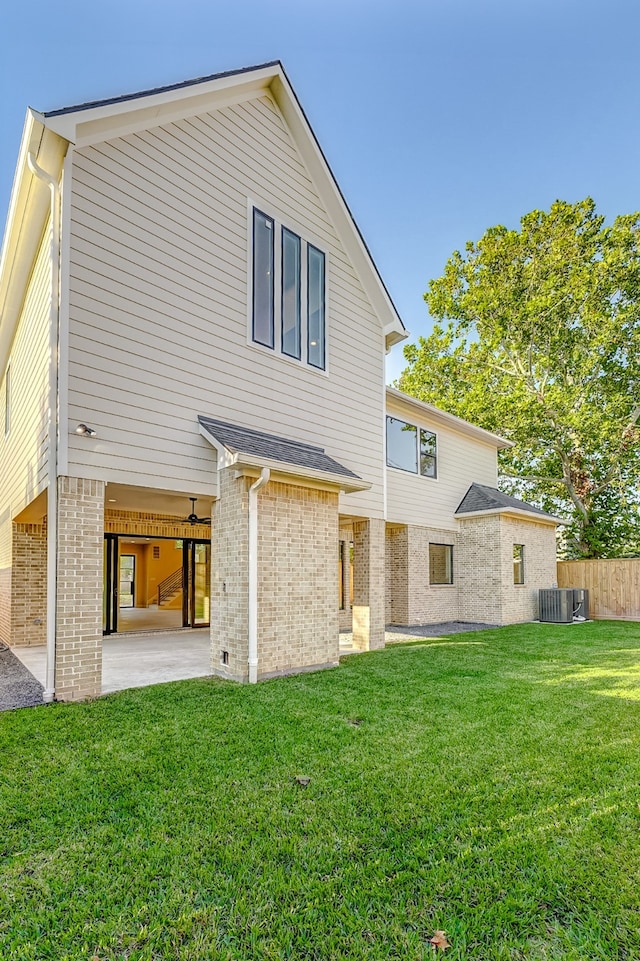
[
  {"x": 518, "y": 564},
  {"x": 307, "y": 239}
]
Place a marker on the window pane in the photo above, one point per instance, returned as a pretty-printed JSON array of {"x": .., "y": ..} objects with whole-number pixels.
[
  {"x": 428, "y": 461},
  {"x": 440, "y": 564},
  {"x": 315, "y": 307},
  {"x": 518, "y": 563},
  {"x": 262, "y": 279},
  {"x": 290, "y": 294},
  {"x": 402, "y": 447}
]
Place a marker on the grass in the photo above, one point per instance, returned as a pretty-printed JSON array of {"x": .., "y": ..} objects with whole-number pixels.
[{"x": 484, "y": 784}]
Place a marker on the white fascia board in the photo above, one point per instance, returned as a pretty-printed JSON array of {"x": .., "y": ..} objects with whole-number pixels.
[
  {"x": 225, "y": 457},
  {"x": 336, "y": 206},
  {"x": 28, "y": 208},
  {"x": 346, "y": 484},
  {"x": 448, "y": 420},
  {"x": 520, "y": 515},
  {"x": 107, "y": 120}
]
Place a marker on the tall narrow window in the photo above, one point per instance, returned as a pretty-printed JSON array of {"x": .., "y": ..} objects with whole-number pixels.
[
  {"x": 7, "y": 401},
  {"x": 290, "y": 294},
  {"x": 428, "y": 461},
  {"x": 315, "y": 307},
  {"x": 262, "y": 279},
  {"x": 518, "y": 563}
]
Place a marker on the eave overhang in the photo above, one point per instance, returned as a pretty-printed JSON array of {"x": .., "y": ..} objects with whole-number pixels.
[
  {"x": 511, "y": 512},
  {"x": 448, "y": 420},
  {"x": 250, "y": 463},
  {"x": 29, "y": 207}
]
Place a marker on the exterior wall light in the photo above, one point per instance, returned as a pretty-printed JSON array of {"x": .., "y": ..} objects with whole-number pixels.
[{"x": 85, "y": 431}]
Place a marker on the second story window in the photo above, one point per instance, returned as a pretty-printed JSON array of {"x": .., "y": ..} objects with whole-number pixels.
[
  {"x": 288, "y": 293},
  {"x": 411, "y": 448}
]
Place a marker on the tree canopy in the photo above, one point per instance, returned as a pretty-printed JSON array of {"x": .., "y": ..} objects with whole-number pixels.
[{"x": 537, "y": 338}]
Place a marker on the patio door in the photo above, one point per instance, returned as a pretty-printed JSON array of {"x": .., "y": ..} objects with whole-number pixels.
[
  {"x": 155, "y": 583},
  {"x": 197, "y": 577}
]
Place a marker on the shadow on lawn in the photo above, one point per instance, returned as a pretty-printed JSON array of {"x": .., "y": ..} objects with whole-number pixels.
[{"x": 610, "y": 676}]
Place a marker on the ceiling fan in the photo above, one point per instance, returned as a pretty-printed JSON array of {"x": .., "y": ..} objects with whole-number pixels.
[{"x": 193, "y": 517}]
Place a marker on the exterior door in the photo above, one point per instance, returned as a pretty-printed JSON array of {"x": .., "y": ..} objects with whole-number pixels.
[
  {"x": 110, "y": 590},
  {"x": 197, "y": 577}
]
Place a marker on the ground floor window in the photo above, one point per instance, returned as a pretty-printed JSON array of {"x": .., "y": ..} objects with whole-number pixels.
[
  {"x": 518, "y": 563},
  {"x": 440, "y": 564}
]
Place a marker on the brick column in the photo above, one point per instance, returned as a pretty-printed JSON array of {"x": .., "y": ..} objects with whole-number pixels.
[
  {"x": 368, "y": 584},
  {"x": 80, "y": 587},
  {"x": 230, "y": 578}
]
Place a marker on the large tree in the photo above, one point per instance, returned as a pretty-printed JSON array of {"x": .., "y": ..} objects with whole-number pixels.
[{"x": 537, "y": 337}]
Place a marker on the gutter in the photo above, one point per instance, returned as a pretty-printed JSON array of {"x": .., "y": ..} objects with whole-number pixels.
[
  {"x": 253, "y": 573},
  {"x": 52, "y": 426}
]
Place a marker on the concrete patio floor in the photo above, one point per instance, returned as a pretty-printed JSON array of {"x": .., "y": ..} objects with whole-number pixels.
[{"x": 137, "y": 660}]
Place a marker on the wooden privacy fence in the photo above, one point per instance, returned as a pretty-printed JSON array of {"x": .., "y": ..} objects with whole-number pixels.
[{"x": 613, "y": 585}]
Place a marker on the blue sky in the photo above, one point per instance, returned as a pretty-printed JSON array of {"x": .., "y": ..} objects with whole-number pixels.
[{"x": 439, "y": 118}]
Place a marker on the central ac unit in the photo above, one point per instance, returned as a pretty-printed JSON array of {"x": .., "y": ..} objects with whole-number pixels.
[{"x": 556, "y": 605}]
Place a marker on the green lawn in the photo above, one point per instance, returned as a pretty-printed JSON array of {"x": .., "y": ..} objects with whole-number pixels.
[{"x": 485, "y": 784}]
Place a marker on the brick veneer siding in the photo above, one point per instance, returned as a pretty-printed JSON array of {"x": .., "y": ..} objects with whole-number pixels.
[
  {"x": 79, "y": 598},
  {"x": 6, "y": 547},
  {"x": 480, "y": 569},
  {"x": 368, "y": 584},
  {"x": 297, "y": 578},
  {"x": 397, "y": 574},
  {"x": 147, "y": 524},
  {"x": 520, "y": 601},
  {"x": 230, "y": 577},
  {"x": 29, "y": 585},
  {"x": 486, "y": 589}
]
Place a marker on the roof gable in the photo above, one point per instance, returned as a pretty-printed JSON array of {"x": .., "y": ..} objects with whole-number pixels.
[{"x": 482, "y": 499}]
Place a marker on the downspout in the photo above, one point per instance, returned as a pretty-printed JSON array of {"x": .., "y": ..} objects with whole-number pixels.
[
  {"x": 253, "y": 573},
  {"x": 52, "y": 453}
]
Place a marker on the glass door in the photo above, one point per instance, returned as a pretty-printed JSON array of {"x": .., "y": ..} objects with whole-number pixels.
[
  {"x": 197, "y": 576},
  {"x": 110, "y": 587}
]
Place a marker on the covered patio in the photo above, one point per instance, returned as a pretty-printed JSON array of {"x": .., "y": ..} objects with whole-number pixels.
[{"x": 137, "y": 660}]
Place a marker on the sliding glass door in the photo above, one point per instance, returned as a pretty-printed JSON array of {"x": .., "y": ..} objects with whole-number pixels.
[{"x": 155, "y": 583}]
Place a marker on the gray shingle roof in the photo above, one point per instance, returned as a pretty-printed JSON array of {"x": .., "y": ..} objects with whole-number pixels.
[
  {"x": 481, "y": 498},
  {"x": 244, "y": 440}
]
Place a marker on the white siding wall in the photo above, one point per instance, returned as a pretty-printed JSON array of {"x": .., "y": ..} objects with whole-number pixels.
[
  {"x": 158, "y": 307},
  {"x": 23, "y": 452},
  {"x": 417, "y": 500}
]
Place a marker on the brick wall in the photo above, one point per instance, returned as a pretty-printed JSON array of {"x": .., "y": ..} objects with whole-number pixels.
[
  {"x": 397, "y": 574},
  {"x": 6, "y": 547},
  {"x": 230, "y": 577},
  {"x": 368, "y": 584},
  {"x": 298, "y": 578},
  {"x": 487, "y": 591},
  {"x": 520, "y": 601},
  {"x": 80, "y": 562},
  {"x": 480, "y": 569},
  {"x": 29, "y": 585},
  {"x": 147, "y": 524}
]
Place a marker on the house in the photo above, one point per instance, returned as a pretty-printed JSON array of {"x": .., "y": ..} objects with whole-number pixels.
[{"x": 195, "y": 424}]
